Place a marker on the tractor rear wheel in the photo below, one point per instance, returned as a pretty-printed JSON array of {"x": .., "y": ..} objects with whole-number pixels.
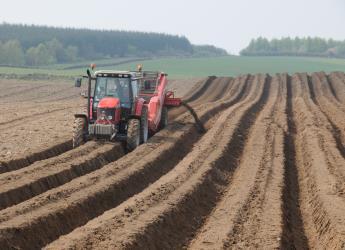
[
  {"x": 144, "y": 126},
  {"x": 164, "y": 118},
  {"x": 79, "y": 131},
  {"x": 133, "y": 134}
]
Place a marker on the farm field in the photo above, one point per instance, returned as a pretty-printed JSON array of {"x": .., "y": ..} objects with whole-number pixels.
[
  {"x": 194, "y": 67},
  {"x": 268, "y": 173}
]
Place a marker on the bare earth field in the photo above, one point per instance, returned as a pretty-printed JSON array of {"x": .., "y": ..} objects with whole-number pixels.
[{"x": 268, "y": 173}]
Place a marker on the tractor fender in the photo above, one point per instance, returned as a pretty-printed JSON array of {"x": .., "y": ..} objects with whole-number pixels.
[
  {"x": 81, "y": 116},
  {"x": 134, "y": 117},
  {"x": 84, "y": 116}
]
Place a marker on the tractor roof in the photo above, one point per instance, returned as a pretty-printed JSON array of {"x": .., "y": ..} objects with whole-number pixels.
[
  {"x": 127, "y": 74},
  {"x": 111, "y": 72}
]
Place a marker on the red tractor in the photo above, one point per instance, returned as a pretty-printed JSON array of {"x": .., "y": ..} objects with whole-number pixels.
[{"x": 126, "y": 106}]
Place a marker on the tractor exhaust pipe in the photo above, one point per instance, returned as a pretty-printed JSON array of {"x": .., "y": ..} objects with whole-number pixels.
[
  {"x": 200, "y": 126},
  {"x": 88, "y": 95}
]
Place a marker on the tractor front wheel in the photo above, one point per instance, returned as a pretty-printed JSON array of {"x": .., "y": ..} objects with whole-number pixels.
[
  {"x": 133, "y": 134},
  {"x": 79, "y": 131}
]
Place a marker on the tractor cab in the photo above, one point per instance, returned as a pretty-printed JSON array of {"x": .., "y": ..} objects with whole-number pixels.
[{"x": 113, "y": 90}]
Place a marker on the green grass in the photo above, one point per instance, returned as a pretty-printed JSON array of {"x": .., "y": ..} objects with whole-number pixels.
[
  {"x": 200, "y": 67},
  {"x": 232, "y": 65}
]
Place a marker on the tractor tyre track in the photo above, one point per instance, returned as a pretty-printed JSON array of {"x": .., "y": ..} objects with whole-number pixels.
[{"x": 318, "y": 166}]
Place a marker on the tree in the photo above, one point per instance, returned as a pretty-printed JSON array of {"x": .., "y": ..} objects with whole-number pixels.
[
  {"x": 56, "y": 50},
  {"x": 2, "y": 54},
  {"x": 94, "y": 44},
  {"x": 12, "y": 53},
  {"x": 39, "y": 55},
  {"x": 340, "y": 50},
  {"x": 295, "y": 47}
]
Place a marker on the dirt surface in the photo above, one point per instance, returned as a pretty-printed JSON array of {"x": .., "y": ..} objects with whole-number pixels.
[
  {"x": 35, "y": 116},
  {"x": 268, "y": 173}
]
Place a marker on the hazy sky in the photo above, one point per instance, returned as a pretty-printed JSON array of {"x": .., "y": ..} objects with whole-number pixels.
[{"x": 228, "y": 24}]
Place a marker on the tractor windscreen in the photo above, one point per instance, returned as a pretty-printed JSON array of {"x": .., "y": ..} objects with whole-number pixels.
[{"x": 113, "y": 87}]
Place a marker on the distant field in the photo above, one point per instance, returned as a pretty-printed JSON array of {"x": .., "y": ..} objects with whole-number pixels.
[
  {"x": 233, "y": 65},
  {"x": 199, "y": 67}
]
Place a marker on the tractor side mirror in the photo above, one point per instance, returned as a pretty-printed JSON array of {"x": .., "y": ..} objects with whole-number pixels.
[{"x": 77, "y": 82}]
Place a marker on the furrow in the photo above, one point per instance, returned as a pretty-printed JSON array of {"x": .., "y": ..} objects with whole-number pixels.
[
  {"x": 335, "y": 116},
  {"x": 323, "y": 89},
  {"x": 59, "y": 99},
  {"x": 338, "y": 86},
  {"x": 7, "y": 166},
  {"x": 341, "y": 75},
  {"x": 318, "y": 163},
  {"x": 293, "y": 235},
  {"x": 194, "y": 96},
  {"x": 326, "y": 136},
  {"x": 166, "y": 214},
  {"x": 42, "y": 219},
  {"x": 19, "y": 121},
  {"x": 199, "y": 90},
  {"x": 23, "y": 91},
  {"x": 53, "y": 96},
  {"x": 251, "y": 202},
  {"x": 20, "y": 185},
  {"x": 215, "y": 92},
  {"x": 332, "y": 114}
]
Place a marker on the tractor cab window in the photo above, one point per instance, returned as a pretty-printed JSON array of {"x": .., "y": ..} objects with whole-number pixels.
[
  {"x": 113, "y": 87},
  {"x": 135, "y": 88}
]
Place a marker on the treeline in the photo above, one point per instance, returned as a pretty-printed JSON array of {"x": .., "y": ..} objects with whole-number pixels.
[
  {"x": 40, "y": 45},
  {"x": 295, "y": 47},
  {"x": 208, "y": 50},
  {"x": 13, "y": 54}
]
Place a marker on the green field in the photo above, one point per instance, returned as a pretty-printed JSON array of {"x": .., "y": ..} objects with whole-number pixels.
[{"x": 200, "y": 67}]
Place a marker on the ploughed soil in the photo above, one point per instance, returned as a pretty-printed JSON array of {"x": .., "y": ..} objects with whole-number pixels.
[{"x": 268, "y": 173}]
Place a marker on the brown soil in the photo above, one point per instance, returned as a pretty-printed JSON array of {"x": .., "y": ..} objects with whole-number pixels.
[
  {"x": 36, "y": 120},
  {"x": 268, "y": 173}
]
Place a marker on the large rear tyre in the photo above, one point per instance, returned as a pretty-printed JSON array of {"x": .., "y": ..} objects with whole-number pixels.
[
  {"x": 133, "y": 134},
  {"x": 144, "y": 126},
  {"x": 79, "y": 128},
  {"x": 164, "y": 118}
]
